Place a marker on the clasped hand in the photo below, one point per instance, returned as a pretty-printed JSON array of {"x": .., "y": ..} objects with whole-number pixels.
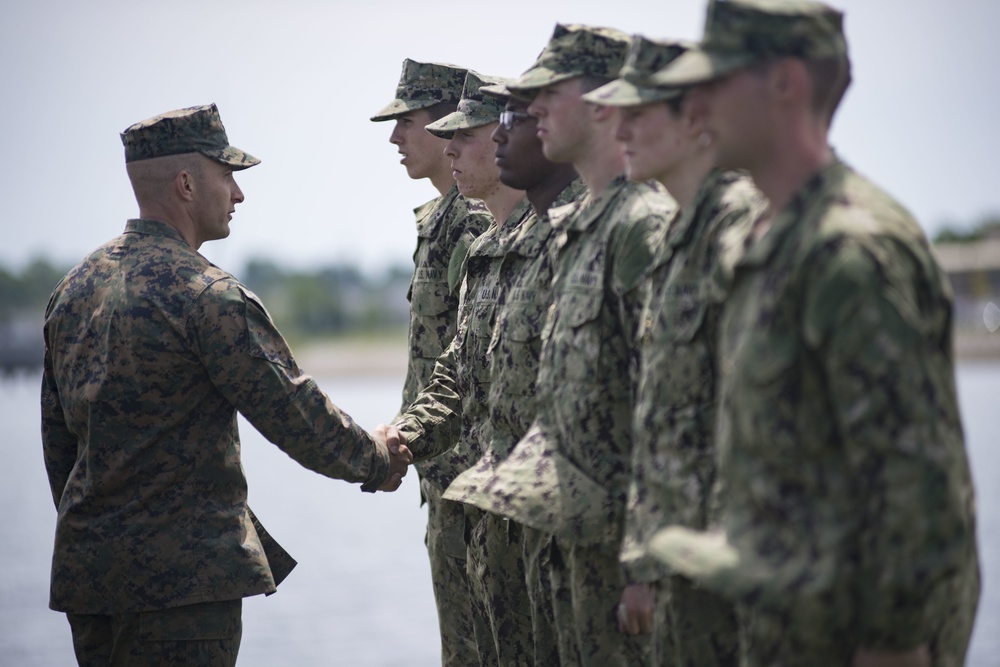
[{"x": 400, "y": 456}]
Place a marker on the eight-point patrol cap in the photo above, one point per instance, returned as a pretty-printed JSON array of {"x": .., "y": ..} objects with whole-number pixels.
[
  {"x": 575, "y": 50},
  {"x": 475, "y": 109},
  {"x": 423, "y": 85},
  {"x": 633, "y": 86},
  {"x": 498, "y": 91},
  {"x": 190, "y": 130},
  {"x": 739, "y": 33}
]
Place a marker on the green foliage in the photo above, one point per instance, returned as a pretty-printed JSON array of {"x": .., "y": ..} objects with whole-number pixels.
[
  {"x": 988, "y": 226},
  {"x": 29, "y": 291},
  {"x": 329, "y": 301}
]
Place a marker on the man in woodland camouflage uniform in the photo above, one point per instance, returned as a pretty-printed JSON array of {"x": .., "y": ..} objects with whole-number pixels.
[
  {"x": 847, "y": 528},
  {"x": 446, "y": 227},
  {"x": 150, "y": 351}
]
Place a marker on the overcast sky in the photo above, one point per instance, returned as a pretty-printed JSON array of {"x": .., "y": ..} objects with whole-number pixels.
[{"x": 296, "y": 82}]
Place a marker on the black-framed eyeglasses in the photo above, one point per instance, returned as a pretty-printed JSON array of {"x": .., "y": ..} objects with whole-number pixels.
[{"x": 511, "y": 118}]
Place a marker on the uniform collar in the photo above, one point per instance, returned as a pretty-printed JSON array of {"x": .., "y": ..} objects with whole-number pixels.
[
  {"x": 428, "y": 225},
  {"x": 151, "y": 227},
  {"x": 802, "y": 208},
  {"x": 679, "y": 231},
  {"x": 590, "y": 209}
]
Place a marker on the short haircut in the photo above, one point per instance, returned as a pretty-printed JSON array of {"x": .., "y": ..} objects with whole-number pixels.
[
  {"x": 830, "y": 78},
  {"x": 590, "y": 82},
  {"x": 676, "y": 103},
  {"x": 440, "y": 110}
]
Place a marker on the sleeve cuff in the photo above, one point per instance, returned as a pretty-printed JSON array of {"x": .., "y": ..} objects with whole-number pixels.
[{"x": 380, "y": 467}]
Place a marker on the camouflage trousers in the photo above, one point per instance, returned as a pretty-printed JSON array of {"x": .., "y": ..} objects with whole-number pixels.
[
  {"x": 537, "y": 550},
  {"x": 693, "y": 627},
  {"x": 587, "y": 584},
  {"x": 201, "y": 635},
  {"x": 499, "y": 591},
  {"x": 446, "y": 549}
]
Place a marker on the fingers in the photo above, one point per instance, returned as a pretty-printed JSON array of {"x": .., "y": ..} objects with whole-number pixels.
[
  {"x": 393, "y": 483},
  {"x": 400, "y": 456},
  {"x": 635, "y": 612},
  {"x": 391, "y": 436}
]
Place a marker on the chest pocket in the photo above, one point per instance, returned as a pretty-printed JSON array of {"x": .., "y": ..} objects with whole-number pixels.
[
  {"x": 683, "y": 313},
  {"x": 432, "y": 317},
  {"x": 514, "y": 349},
  {"x": 577, "y": 335}
]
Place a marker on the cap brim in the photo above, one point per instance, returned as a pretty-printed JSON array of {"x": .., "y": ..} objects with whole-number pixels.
[
  {"x": 398, "y": 108},
  {"x": 621, "y": 93},
  {"x": 457, "y": 120},
  {"x": 497, "y": 91},
  {"x": 697, "y": 66},
  {"x": 232, "y": 156},
  {"x": 539, "y": 487},
  {"x": 539, "y": 77}
]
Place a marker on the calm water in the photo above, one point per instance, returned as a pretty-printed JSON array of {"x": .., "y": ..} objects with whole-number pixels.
[{"x": 361, "y": 594}]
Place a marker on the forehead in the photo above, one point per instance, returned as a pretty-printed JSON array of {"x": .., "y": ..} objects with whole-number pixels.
[
  {"x": 516, "y": 104},
  {"x": 418, "y": 116},
  {"x": 565, "y": 86}
]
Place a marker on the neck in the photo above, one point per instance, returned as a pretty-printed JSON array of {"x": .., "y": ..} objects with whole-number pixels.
[
  {"x": 683, "y": 183},
  {"x": 602, "y": 163},
  {"x": 796, "y": 157},
  {"x": 171, "y": 216},
  {"x": 545, "y": 193},
  {"x": 502, "y": 203},
  {"x": 443, "y": 181}
]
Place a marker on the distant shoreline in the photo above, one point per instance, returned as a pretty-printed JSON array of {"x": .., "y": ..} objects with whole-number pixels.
[
  {"x": 387, "y": 356},
  {"x": 977, "y": 346},
  {"x": 353, "y": 357}
]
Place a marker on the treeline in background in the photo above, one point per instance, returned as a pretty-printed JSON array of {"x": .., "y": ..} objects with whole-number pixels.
[
  {"x": 340, "y": 300},
  {"x": 306, "y": 304}
]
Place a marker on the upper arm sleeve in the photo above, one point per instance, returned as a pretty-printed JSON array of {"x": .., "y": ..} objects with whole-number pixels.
[
  {"x": 892, "y": 392},
  {"x": 251, "y": 365}
]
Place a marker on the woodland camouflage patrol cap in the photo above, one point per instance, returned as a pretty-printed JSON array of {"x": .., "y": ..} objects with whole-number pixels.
[
  {"x": 633, "y": 86},
  {"x": 189, "y": 130},
  {"x": 575, "y": 50},
  {"x": 739, "y": 33},
  {"x": 475, "y": 109},
  {"x": 423, "y": 85}
]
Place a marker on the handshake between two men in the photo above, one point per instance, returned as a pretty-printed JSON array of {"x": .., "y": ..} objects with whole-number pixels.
[{"x": 400, "y": 457}]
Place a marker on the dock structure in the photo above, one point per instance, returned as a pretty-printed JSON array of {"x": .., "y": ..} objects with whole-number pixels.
[{"x": 974, "y": 271}]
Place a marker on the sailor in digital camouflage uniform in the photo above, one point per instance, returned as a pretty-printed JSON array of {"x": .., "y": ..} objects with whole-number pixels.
[
  {"x": 524, "y": 278},
  {"x": 446, "y": 227},
  {"x": 673, "y": 459},
  {"x": 500, "y": 611},
  {"x": 150, "y": 351},
  {"x": 580, "y": 440},
  {"x": 848, "y": 524}
]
